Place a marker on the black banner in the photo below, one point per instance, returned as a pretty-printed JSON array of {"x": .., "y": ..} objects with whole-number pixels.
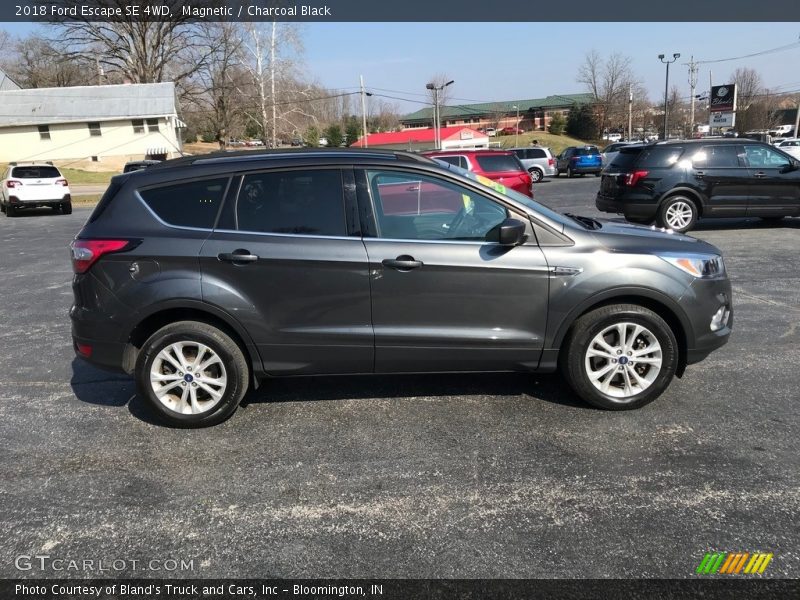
[
  {"x": 397, "y": 589},
  {"x": 408, "y": 11}
]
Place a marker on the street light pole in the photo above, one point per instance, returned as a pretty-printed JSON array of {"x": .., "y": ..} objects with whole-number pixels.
[
  {"x": 437, "y": 135},
  {"x": 667, "y": 62}
]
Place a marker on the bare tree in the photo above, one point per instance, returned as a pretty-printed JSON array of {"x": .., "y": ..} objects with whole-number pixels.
[
  {"x": 35, "y": 63},
  {"x": 219, "y": 80},
  {"x": 750, "y": 113},
  {"x": 610, "y": 82},
  {"x": 271, "y": 53},
  {"x": 136, "y": 51}
]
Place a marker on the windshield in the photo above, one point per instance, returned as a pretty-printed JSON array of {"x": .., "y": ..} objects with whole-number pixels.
[{"x": 516, "y": 196}]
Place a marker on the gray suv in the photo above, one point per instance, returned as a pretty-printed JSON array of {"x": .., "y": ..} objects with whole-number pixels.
[
  {"x": 207, "y": 275},
  {"x": 538, "y": 161}
]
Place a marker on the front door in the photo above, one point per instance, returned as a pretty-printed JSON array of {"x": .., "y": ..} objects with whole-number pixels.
[
  {"x": 775, "y": 183},
  {"x": 285, "y": 265},
  {"x": 445, "y": 296}
]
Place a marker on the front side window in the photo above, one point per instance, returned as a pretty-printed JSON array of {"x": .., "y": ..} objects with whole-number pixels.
[
  {"x": 189, "y": 204},
  {"x": 764, "y": 157},
  {"x": 411, "y": 206},
  {"x": 307, "y": 202}
]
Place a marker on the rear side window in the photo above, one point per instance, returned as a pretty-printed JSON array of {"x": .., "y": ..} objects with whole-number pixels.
[
  {"x": 659, "y": 157},
  {"x": 710, "y": 157},
  {"x": 501, "y": 162},
  {"x": 35, "y": 172},
  {"x": 189, "y": 204},
  {"x": 307, "y": 202},
  {"x": 458, "y": 161}
]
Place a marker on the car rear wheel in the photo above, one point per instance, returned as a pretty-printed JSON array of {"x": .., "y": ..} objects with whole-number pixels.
[
  {"x": 192, "y": 374},
  {"x": 11, "y": 210},
  {"x": 678, "y": 213},
  {"x": 536, "y": 175},
  {"x": 66, "y": 208},
  {"x": 620, "y": 357},
  {"x": 569, "y": 172}
]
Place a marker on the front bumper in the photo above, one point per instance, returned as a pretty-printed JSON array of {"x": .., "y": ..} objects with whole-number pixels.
[{"x": 701, "y": 301}]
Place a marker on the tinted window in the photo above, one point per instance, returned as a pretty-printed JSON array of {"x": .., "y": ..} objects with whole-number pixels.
[
  {"x": 458, "y": 161},
  {"x": 418, "y": 207},
  {"x": 35, "y": 172},
  {"x": 500, "y": 162},
  {"x": 191, "y": 204},
  {"x": 716, "y": 157},
  {"x": 626, "y": 158},
  {"x": 308, "y": 202},
  {"x": 764, "y": 157},
  {"x": 537, "y": 153},
  {"x": 658, "y": 157}
]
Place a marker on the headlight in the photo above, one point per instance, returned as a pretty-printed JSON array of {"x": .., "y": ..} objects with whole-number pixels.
[{"x": 704, "y": 266}]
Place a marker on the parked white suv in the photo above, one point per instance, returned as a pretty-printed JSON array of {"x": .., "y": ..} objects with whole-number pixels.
[{"x": 31, "y": 185}]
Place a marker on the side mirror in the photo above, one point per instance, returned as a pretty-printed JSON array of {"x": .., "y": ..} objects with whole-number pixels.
[{"x": 512, "y": 232}]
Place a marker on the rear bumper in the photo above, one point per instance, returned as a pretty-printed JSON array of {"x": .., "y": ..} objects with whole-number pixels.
[
  {"x": 25, "y": 203},
  {"x": 582, "y": 169},
  {"x": 637, "y": 210}
]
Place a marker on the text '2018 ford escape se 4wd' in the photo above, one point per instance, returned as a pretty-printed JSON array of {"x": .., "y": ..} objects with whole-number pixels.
[{"x": 203, "y": 276}]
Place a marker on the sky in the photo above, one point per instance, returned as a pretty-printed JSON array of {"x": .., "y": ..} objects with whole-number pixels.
[{"x": 510, "y": 61}]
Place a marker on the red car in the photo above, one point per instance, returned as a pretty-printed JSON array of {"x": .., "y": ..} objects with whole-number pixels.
[
  {"x": 498, "y": 165},
  {"x": 510, "y": 130}
]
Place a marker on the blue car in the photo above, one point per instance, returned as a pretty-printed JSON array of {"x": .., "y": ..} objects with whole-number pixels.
[{"x": 579, "y": 160}]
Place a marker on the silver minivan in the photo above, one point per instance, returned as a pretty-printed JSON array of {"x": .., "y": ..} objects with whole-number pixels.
[{"x": 538, "y": 161}]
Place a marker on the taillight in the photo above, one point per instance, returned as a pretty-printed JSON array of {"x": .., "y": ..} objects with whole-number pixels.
[
  {"x": 551, "y": 162},
  {"x": 83, "y": 349},
  {"x": 13, "y": 183},
  {"x": 574, "y": 159},
  {"x": 631, "y": 179},
  {"x": 87, "y": 252},
  {"x": 62, "y": 182}
]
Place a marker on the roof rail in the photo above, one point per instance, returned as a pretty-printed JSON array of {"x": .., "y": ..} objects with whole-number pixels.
[{"x": 250, "y": 155}]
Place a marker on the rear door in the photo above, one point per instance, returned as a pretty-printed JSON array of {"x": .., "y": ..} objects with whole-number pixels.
[
  {"x": 775, "y": 183},
  {"x": 720, "y": 172},
  {"x": 445, "y": 296},
  {"x": 288, "y": 262}
]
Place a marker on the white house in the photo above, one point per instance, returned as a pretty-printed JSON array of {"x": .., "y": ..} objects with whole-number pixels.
[
  {"x": 6, "y": 83},
  {"x": 132, "y": 121}
]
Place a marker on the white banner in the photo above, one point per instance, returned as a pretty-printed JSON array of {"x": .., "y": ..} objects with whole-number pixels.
[{"x": 722, "y": 119}]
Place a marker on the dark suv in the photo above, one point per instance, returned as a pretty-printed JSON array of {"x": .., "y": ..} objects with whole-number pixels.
[
  {"x": 205, "y": 275},
  {"x": 675, "y": 183}
]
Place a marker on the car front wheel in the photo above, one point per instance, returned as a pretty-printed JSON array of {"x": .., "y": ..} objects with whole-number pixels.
[
  {"x": 192, "y": 374},
  {"x": 620, "y": 357}
]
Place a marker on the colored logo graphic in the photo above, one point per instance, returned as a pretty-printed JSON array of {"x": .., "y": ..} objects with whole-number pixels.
[{"x": 734, "y": 563}]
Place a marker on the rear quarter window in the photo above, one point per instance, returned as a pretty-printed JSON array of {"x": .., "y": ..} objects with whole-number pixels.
[
  {"x": 189, "y": 204},
  {"x": 626, "y": 158},
  {"x": 659, "y": 157},
  {"x": 501, "y": 162}
]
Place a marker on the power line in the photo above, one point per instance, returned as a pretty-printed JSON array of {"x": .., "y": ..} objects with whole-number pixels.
[{"x": 754, "y": 54}]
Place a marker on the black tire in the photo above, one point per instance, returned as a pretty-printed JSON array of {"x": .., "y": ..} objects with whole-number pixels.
[
  {"x": 2, "y": 207},
  {"x": 66, "y": 208},
  {"x": 570, "y": 174},
  {"x": 11, "y": 210},
  {"x": 674, "y": 204},
  {"x": 572, "y": 358},
  {"x": 231, "y": 357},
  {"x": 536, "y": 175}
]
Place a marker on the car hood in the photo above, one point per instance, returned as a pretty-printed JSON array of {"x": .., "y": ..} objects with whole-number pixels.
[{"x": 621, "y": 236}]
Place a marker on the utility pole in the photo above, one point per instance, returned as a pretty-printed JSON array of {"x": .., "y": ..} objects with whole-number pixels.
[
  {"x": 437, "y": 134},
  {"x": 630, "y": 112},
  {"x": 797, "y": 119},
  {"x": 364, "y": 114},
  {"x": 692, "y": 85}
]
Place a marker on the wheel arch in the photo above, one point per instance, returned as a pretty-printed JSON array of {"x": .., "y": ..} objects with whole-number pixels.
[
  {"x": 693, "y": 194},
  {"x": 167, "y": 313},
  {"x": 663, "y": 306}
]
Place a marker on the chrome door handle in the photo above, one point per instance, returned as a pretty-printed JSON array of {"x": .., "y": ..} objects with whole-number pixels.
[
  {"x": 238, "y": 257},
  {"x": 759, "y": 174}
]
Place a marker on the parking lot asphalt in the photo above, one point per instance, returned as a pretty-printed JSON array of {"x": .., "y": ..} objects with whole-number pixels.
[{"x": 448, "y": 476}]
